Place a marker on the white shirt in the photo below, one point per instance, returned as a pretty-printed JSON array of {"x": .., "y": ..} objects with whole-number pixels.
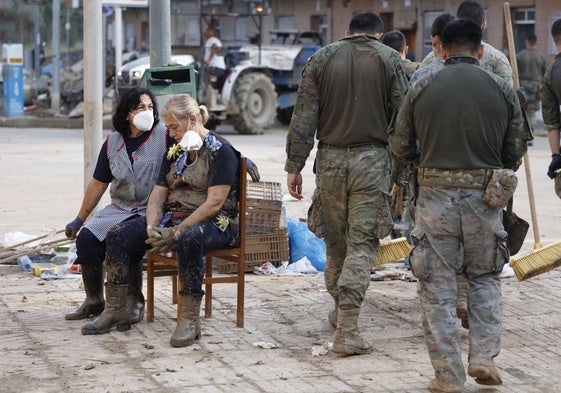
[{"x": 216, "y": 61}]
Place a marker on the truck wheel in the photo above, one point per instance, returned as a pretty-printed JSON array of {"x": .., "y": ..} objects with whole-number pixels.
[
  {"x": 285, "y": 115},
  {"x": 257, "y": 102}
]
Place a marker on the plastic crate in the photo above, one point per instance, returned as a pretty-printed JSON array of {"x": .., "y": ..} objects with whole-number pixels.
[
  {"x": 261, "y": 248},
  {"x": 264, "y": 207}
]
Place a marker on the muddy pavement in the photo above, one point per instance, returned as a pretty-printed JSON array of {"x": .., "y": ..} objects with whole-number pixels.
[{"x": 41, "y": 179}]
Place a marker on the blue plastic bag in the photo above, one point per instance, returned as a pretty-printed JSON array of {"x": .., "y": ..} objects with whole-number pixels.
[{"x": 303, "y": 243}]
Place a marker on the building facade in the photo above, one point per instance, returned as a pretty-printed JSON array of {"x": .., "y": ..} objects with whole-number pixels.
[{"x": 241, "y": 21}]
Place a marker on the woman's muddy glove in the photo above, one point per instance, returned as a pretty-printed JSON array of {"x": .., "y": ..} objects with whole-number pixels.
[
  {"x": 72, "y": 228},
  {"x": 253, "y": 171},
  {"x": 554, "y": 165},
  {"x": 163, "y": 239}
]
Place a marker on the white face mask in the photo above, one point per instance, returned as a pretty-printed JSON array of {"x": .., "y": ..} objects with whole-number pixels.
[
  {"x": 144, "y": 120},
  {"x": 191, "y": 141}
]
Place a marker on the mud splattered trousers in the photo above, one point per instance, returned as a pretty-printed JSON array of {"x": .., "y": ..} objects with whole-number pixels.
[
  {"x": 126, "y": 241},
  {"x": 456, "y": 232},
  {"x": 348, "y": 196}
]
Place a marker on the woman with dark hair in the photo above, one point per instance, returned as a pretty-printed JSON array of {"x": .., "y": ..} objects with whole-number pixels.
[{"x": 129, "y": 161}]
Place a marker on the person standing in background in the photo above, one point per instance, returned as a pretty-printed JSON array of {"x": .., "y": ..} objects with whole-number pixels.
[
  {"x": 551, "y": 100},
  {"x": 531, "y": 69}
]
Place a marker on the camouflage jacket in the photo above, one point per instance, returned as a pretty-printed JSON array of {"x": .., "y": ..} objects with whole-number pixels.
[
  {"x": 349, "y": 92},
  {"x": 493, "y": 61},
  {"x": 431, "y": 131},
  {"x": 551, "y": 95}
]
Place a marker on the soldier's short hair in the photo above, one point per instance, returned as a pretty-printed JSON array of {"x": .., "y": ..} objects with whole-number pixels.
[
  {"x": 471, "y": 9},
  {"x": 440, "y": 23},
  {"x": 462, "y": 34},
  {"x": 367, "y": 23},
  {"x": 556, "y": 31},
  {"x": 532, "y": 38},
  {"x": 394, "y": 39}
]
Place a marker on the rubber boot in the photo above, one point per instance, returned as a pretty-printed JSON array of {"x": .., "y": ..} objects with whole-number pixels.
[
  {"x": 347, "y": 340},
  {"x": 116, "y": 313},
  {"x": 332, "y": 317},
  {"x": 92, "y": 276},
  {"x": 188, "y": 327},
  {"x": 135, "y": 296},
  {"x": 484, "y": 371}
]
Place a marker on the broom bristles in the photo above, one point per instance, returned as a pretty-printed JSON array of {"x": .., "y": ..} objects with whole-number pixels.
[
  {"x": 537, "y": 262},
  {"x": 393, "y": 250}
]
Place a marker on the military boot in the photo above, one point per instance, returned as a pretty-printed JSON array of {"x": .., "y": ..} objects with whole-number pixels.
[
  {"x": 332, "y": 317},
  {"x": 188, "y": 327},
  {"x": 439, "y": 386},
  {"x": 484, "y": 371},
  {"x": 347, "y": 340},
  {"x": 116, "y": 313},
  {"x": 92, "y": 276},
  {"x": 135, "y": 296}
]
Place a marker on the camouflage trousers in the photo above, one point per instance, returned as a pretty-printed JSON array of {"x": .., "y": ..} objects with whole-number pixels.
[
  {"x": 349, "y": 199},
  {"x": 456, "y": 232}
]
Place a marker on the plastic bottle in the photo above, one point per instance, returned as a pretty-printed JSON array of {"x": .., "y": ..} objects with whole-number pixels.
[{"x": 25, "y": 263}]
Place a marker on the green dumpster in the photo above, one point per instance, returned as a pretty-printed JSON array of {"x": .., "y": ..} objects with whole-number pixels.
[{"x": 164, "y": 82}]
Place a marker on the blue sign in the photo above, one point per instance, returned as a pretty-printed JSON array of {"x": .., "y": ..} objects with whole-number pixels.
[{"x": 13, "y": 89}]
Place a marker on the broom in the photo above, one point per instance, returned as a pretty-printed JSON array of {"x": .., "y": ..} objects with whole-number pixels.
[
  {"x": 392, "y": 250},
  {"x": 398, "y": 248},
  {"x": 542, "y": 259}
]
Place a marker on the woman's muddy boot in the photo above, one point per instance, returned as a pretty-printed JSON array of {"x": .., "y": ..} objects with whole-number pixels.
[
  {"x": 188, "y": 327},
  {"x": 116, "y": 313},
  {"x": 135, "y": 296},
  {"x": 92, "y": 276}
]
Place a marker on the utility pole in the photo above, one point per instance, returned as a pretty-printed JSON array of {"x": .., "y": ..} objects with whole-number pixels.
[
  {"x": 37, "y": 35},
  {"x": 160, "y": 33},
  {"x": 55, "y": 82},
  {"x": 93, "y": 82}
]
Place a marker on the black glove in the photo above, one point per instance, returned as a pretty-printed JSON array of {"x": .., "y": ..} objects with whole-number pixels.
[
  {"x": 253, "y": 171},
  {"x": 72, "y": 228},
  {"x": 554, "y": 165},
  {"x": 163, "y": 240}
]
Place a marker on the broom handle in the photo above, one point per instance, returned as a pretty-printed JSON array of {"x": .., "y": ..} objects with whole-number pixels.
[
  {"x": 399, "y": 202},
  {"x": 514, "y": 65}
]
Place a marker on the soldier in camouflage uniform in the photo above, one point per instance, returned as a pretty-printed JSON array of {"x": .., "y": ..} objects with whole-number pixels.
[
  {"x": 395, "y": 39},
  {"x": 531, "y": 69},
  {"x": 348, "y": 94},
  {"x": 493, "y": 61},
  {"x": 457, "y": 143},
  {"x": 436, "y": 29},
  {"x": 551, "y": 99}
]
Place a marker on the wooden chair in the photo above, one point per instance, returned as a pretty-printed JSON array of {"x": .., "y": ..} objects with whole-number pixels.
[{"x": 158, "y": 265}]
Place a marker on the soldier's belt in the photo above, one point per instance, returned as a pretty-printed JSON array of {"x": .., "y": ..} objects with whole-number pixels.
[
  {"x": 464, "y": 178},
  {"x": 322, "y": 145}
]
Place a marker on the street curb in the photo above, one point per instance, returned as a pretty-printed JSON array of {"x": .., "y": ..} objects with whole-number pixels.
[{"x": 48, "y": 122}]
